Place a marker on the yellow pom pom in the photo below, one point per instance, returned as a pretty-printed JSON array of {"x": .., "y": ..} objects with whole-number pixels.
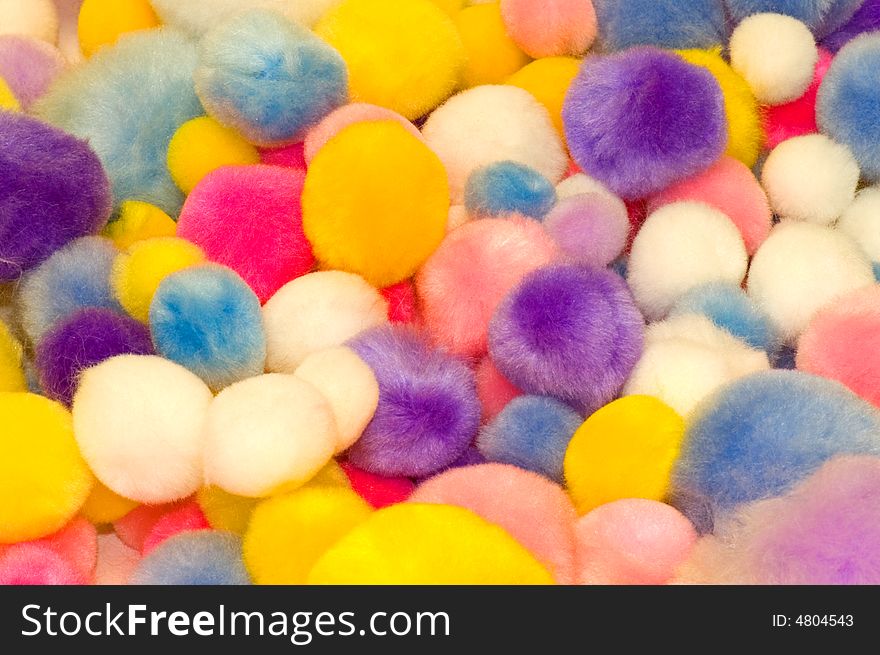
[
  {"x": 102, "y": 22},
  {"x": 225, "y": 511},
  {"x": 406, "y": 56},
  {"x": 287, "y": 534},
  {"x": 451, "y": 7},
  {"x": 331, "y": 475},
  {"x": 625, "y": 450},
  {"x": 43, "y": 478},
  {"x": 202, "y": 145},
  {"x": 375, "y": 202},
  {"x": 106, "y": 506},
  {"x": 548, "y": 80},
  {"x": 138, "y": 221},
  {"x": 491, "y": 55},
  {"x": 11, "y": 372},
  {"x": 413, "y": 543},
  {"x": 138, "y": 272},
  {"x": 8, "y": 100},
  {"x": 745, "y": 133}
]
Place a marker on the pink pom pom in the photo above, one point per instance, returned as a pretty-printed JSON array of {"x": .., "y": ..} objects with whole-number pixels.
[
  {"x": 292, "y": 156},
  {"x": 493, "y": 389},
  {"x": 401, "y": 302},
  {"x": 76, "y": 544},
  {"x": 797, "y": 117},
  {"x": 116, "y": 561},
  {"x": 134, "y": 527},
  {"x": 729, "y": 186},
  {"x": 188, "y": 516},
  {"x": 249, "y": 218},
  {"x": 632, "y": 541},
  {"x": 548, "y": 28},
  {"x": 36, "y": 564},
  {"x": 534, "y": 510},
  {"x": 378, "y": 491}
]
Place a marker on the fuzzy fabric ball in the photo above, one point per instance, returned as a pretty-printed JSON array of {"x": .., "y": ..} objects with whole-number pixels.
[
  {"x": 149, "y": 447},
  {"x": 404, "y": 56},
  {"x": 249, "y": 219},
  {"x": 379, "y": 491},
  {"x": 787, "y": 282},
  {"x": 318, "y": 311},
  {"x": 861, "y": 221},
  {"x": 136, "y": 221},
  {"x": 680, "y": 246},
  {"x": 11, "y": 371},
  {"x": 428, "y": 408},
  {"x": 589, "y": 228},
  {"x": 116, "y": 561},
  {"x": 580, "y": 183},
  {"x": 29, "y": 65},
  {"x": 102, "y": 22},
  {"x": 569, "y": 332},
  {"x": 185, "y": 518},
  {"x": 84, "y": 339},
  {"x": 135, "y": 526},
  {"x": 475, "y": 267},
  {"x": 819, "y": 15},
  {"x": 52, "y": 190},
  {"x": 547, "y": 29},
  {"x": 105, "y": 506},
  {"x": 507, "y": 187},
  {"x": 36, "y": 564},
  {"x": 225, "y": 511},
  {"x": 204, "y": 557},
  {"x": 866, "y": 19},
  {"x": 797, "y": 117},
  {"x": 491, "y": 55},
  {"x": 548, "y": 79},
  {"x": 493, "y": 389},
  {"x": 377, "y": 216},
  {"x": 36, "y": 18},
  {"x": 663, "y": 23},
  {"x": 401, "y": 299},
  {"x": 8, "y": 101},
  {"x": 487, "y": 124},
  {"x": 198, "y": 18},
  {"x": 105, "y": 101},
  {"x": 642, "y": 119}
]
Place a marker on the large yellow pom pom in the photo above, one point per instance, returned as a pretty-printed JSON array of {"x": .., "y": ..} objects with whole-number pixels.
[
  {"x": 491, "y": 55},
  {"x": 406, "y": 56},
  {"x": 138, "y": 272},
  {"x": 202, "y": 145},
  {"x": 287, "y": 534},
  {"x": 43, "y": 479},
  {"x": 745, "y": 133},
  {"x": 451, "y": 7},
  {"x": 375, "y": 202},
  {"x": 106, "y": 506},
  {"x": 413, "y": 543},
  {"x": 8, "y": 100},
  {"x": 102, "y": 22},
  {"x": 548, "y": 80},
  {"x": 625, "y": 450},
  {"x": 11, "y": 372},
  {"x": 137, "y": 221}
]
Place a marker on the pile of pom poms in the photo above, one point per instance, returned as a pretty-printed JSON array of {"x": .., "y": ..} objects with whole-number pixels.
[{"x": 439, "y": 292}]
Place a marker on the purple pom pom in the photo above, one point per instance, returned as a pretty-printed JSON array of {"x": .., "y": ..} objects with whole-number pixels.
[
  {"x": 866, "y": 19},
  {"x": 589, "y": 228},
  {"x": 85, "y": 339},
  {"x": 52, "y": 190},
  {"x": 642, "y": 119},
  {"x": 570, "y": 332},
  {"x": 428, "y": 410},
  {"x": 28, "y": 66}
]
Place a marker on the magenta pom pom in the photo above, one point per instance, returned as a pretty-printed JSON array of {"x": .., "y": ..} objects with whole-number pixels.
[
  {"x": 797, "y": 117},
  {"x": 379, "y": 491},
  {"x": 36, "y": 564},
  {"x": 292, "y": 156},
  {"x": 401, "y": 299},
  {"x": 184, "y": 518},
  {"x": 589, "y": 228}
]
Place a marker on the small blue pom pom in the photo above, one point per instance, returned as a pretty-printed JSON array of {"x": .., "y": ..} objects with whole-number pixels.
[
  {"x": 203, "y": 557},
  {"x": 662, "y": 23},
  {"x": 509, "y": 187}
]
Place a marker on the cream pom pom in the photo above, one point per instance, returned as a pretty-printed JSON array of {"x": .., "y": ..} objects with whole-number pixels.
[
  {"x": 36, "y": 18},
  {"x": 861, "y": 221}
]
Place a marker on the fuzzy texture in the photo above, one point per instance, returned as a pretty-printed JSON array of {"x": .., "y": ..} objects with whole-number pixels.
[
  {"x": 36, "y": 564},
  {"x": 290, "y": 156},
  {"x": 11, "y": 352},
  {"x": 116, "y": 561},
  {"x": 204, "y": 557},
  {"x": 267, "y": 78},
  {"x": 810, "y": 178},
  {"x": 547, "y": 29},
  {"x": 428, "y": 408},
  {"x": 491, "y": 55},
  {"x": 663, "y": 23},
  {"x": 52, "y": 190},
  {"x": 377, "y": 216},
  {"x": 198, "y": 18},
  {"x": 507, "y": 187},
  {"x": 401, "y": 298},
  {"x": 819, "y": 15},
  {"x": 493, "y": 123},
  {"x": 104, "y": 506},
  {"x": 35, "y": 18},
  {"x": 759, "y": 436},
  {"x": 404, "y": 56},
  {"x": 731, "y": 188},
  {"x": 475, "y": 267},
  {"x": 101, "y": 22},
  {"x": 786, "y": 282},
  {"x": 797, "y": 117},
  {"x": 861, "y": 221},
  {"x": 377, "y": 490},
  {"x": 531, "y": 432},
  {"x": 134, "y": 527},
  {"x": 225, "y": 511},
  {"x": 569, "y": 332},
  {"x": 848, "y": 105},
  {"x": 318, "y": 311},
  {"x": 106, "y": 100},
  {"x": 589, "y": 228},
  {"x": 578, "y": 183},
  {"x": 136, "y": 221},
  {"x": 680, "y": 246},
  {"x": 493, "y": 389},
  {"x": 535, "y": 512},
  {"x": 866, "y": 19},
  {"x": 249, "y": 219},
  {"x": 184, "y": 518},
  {"x": 75, "y": 548},
  {"x": 207, "y": 319},
  {"x": 149, "y": 448},
  {"x": 642, "y": 119},
  {"x": 82, "y": 340},
  {"x": 74, "y": 277},
  {"x": 29, "y": 65},
  {"x": 548, "y": 79}
]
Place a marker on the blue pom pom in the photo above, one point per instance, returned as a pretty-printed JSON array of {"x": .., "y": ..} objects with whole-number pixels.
[
  {"x": 728, "y": 307},
  {"x": 757, "y": 437},
  {"x": 268, "y": 78},
  {"x": 506, "y": 187},
  {"x": 531, "y": 432},
  {"x": 203, "y": 557},
  {"x": 207, "y": 319},
  {"x": 876, "y": 267},
  {"x": 75, "y": 277},
  {"x": 663, "y": 23},
  {"x": 848, "y": 106},
  {"x": 821, "y": 16}
]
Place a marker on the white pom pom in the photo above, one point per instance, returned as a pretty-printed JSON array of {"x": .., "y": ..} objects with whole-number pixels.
[
  {"x": 776, "y": 55},
  {"x": 810, "y": 178},
  {"x": 493, "y": 123},
  {"x": 138, "y": 421},
  {"x": 267, "y": 432},
  {"x": 680, "y": 246},
  {"x": 580, "y": 183},
  {"x": 349, "y": 386},
  {"x": 36, "y": 18},
  {"x": 800, "y": 268},
  {"x": 315, "y": 312},
  {"x": 861, "y": 221}
]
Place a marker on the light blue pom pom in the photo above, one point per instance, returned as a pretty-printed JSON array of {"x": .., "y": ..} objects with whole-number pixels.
[
  {"x": 664, "y": 23},
  {"x": 202, "y": 557},
  {"x": 506, "y": 187}
]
